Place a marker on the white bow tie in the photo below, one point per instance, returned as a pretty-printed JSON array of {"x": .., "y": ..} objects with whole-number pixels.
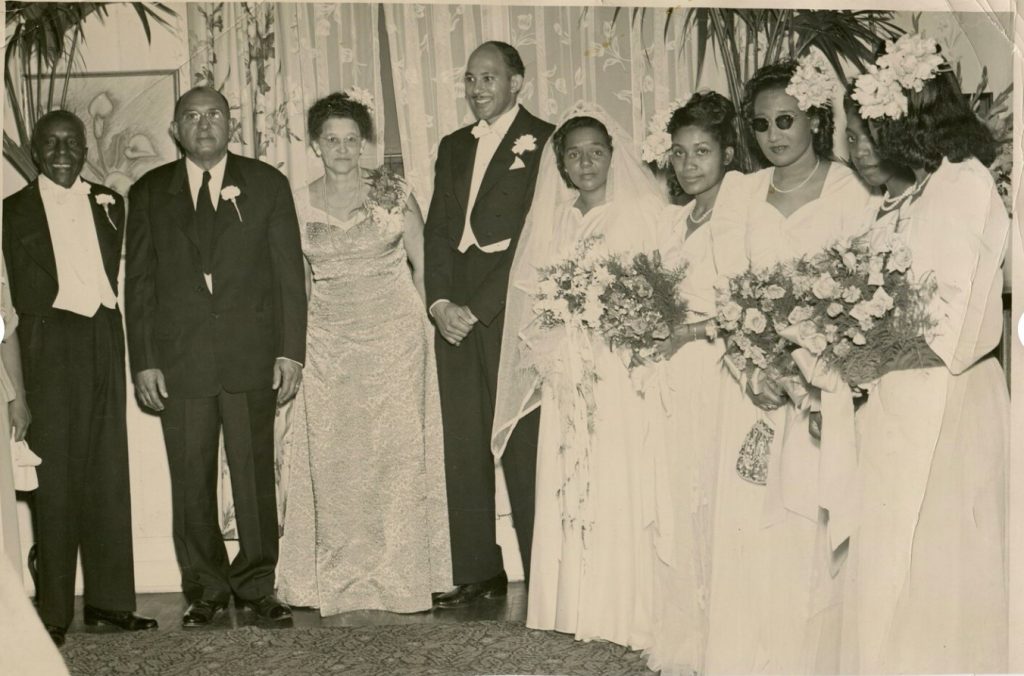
[
  {"x": 79, "y": 187},
  {"x": 482, "y": 129}
]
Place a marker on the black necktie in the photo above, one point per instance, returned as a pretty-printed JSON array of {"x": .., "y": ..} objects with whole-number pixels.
[{"x": 204, "y": 223}]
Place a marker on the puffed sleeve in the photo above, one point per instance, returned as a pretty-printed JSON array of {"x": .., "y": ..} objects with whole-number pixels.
[
  {"x": 729, "y": 224},
  {"x": 961, "y": 238}
]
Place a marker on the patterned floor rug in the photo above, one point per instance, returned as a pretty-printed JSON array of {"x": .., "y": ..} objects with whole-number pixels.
[{"x": 428, "y": 649}]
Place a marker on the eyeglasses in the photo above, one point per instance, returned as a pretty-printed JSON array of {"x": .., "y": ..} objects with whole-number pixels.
[
  {"x": 784, "y": 121},
  {"x": 194, "y": 116}
]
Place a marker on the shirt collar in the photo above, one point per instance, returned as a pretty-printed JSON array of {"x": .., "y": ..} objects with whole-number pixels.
[
  {"x": 504, "y": 121},
  {"x": 79, "y": 187},
  {"x": 195, "y": 172}
]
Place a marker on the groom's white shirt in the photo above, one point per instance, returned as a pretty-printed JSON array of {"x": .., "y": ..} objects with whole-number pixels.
[{"x": 486, "y": 146}]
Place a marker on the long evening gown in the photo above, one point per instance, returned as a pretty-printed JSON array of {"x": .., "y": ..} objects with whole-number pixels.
[
  {"x": 366, "y": 522},
  {"x": 774, "y": 603},
  {"x": 927, "y": 590},
  {"x": 704, "y": 408}
]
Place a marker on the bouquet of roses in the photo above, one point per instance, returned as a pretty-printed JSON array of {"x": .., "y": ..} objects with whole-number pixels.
[
  {"x": 752, "y": 308},
  {"x": 631, "y": 303},
  {"x": 641, "y": 304},
  {"x": 860, "y": 306}
]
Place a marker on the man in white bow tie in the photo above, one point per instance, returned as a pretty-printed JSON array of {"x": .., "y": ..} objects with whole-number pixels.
[
  {"x": 62, "y": 242},
  {"x": 483, "y": 186}
]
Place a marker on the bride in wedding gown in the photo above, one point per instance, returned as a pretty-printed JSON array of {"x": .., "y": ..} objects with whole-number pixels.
[{"x": 597, "y": 454}]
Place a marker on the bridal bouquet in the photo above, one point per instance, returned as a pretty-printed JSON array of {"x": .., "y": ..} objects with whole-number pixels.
[
  {"x": 859, "y": 306},
  {"x": 630, "y": 302},
  {"x": 752, "y": 308}
]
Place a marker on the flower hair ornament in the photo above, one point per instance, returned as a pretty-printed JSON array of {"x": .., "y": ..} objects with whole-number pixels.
[
  {"x": 814, "y": 83},
  {"x": 907, "y": 64},
  {"x": 361, "y": 96},
  {"x": 658, "y": 141}
]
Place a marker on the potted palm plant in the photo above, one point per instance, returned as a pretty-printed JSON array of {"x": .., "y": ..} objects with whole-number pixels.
[{"x": 44, "y": 38}]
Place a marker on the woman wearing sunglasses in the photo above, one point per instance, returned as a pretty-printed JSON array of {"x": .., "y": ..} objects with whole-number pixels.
[
  {"x": 774, "y": 600},
  {"x": 926, "y": 586}
]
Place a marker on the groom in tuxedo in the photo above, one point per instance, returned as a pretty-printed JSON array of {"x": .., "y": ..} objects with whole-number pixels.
[
  {"x": 483, "y": 185},
  {"x": 216, "y": 316},
  {"x": 62, "y": 243}
]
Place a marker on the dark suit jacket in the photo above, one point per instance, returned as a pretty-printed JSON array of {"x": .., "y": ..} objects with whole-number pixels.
[
  {"x": 28, "y": 248},
  {"x": 476, "y": 279},
  {"x": 229, "y": 339}
]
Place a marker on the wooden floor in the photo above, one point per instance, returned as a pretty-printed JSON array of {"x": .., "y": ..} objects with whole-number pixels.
[{"x": 168, "y": 609}]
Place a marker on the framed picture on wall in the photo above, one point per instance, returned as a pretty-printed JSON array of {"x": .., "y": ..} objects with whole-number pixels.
[{"x": 127, "y": 119}]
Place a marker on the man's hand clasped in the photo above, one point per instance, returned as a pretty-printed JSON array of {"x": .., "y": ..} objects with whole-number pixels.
[{"x": 453, "y": 321}]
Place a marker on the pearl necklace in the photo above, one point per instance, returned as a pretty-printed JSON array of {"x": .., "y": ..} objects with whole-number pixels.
[
  {"x": 702, "y": 219},
  {"x": 817, "y": 163}
]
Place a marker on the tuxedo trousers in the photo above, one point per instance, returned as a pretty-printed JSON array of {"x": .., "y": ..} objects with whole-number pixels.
[
  {"x": 468, "y": 377},
  {"x": 192, "y": 429},
  {"x": 74, "y": 373}
]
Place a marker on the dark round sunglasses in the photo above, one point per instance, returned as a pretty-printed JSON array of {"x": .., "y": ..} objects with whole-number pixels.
[{"x": 784, "y": 121}]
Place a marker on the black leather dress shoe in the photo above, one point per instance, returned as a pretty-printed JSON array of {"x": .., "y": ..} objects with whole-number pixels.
[
  {"x": 124, "y": 619},
  {"x": 465, "y": 594},
  {"x": 268, "y": 607},
  {"x": 200, "y": 613},
  {"x": 56, "y": 634}
]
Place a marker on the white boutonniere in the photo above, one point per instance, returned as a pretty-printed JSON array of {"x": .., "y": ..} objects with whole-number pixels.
[
  {"x": 231, "y": 193},
  {"x": 105, "y": 200},
  {"x": 524, "y": 144}
]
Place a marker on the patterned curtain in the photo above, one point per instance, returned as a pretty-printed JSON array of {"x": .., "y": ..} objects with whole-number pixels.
[
  {"x": 273, "y": 61},
  {"x": 630, "y": 67}
]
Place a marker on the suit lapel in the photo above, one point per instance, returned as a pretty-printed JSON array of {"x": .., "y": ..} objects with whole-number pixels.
[
  {"x": 181, "y": 210},
  {"x": 34, "y": 230},
  {"x": 107, "y": 231},
  {"x": 503, "y": 156},
  {"x": 463, "y": 171},
  {"x": 228, "y": 211}
]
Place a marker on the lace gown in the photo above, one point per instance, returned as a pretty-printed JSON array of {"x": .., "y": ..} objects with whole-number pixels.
[
  {"x": 366, "y": 522},
  {"x": 774, "y": 598}
]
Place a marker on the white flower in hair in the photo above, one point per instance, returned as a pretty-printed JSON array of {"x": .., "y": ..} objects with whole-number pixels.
[
  {"x": 658, "y": 141},
  {"x": 360, "y": 95},
  {"x": 907, "y": 64},
  {"x": 814, "y": 83}
]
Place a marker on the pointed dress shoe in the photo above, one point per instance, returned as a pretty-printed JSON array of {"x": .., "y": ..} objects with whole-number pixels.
[
  {"x": 466, "y": 594},
  {"x": 200, "y": 613},
  {"x": 268, "y": 607},
  {"x": 125, "y": 619},
  {"x": 56, "y": 634}
]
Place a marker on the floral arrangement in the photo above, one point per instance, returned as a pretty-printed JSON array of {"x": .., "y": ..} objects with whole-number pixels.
[
  {"x": 361, "y": 96},
  {"x": 386, "y": 198},
  {"x": 632, "y": 303},
  {"x": 814, "y": 84},
  {"x": 658, "y": 141},
  {"x": 858, "y": 306},
  {"x": 752, "y": 308},
  {"x": 907, "y": 64}
]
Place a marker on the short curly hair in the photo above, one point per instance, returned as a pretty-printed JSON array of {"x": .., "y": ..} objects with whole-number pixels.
[
  {"x": 339, "y": 105},
  {"x": 939, "y": 123},
  {"x": 711, "y": 112},
  {"x": 777, "y": 76},
  {"x": 558, "y": 140}
]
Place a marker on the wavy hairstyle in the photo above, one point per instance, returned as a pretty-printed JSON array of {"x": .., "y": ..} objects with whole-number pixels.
[
  {"x": 339, "y": 105},
  {"x": 777, "y": 76},
  {"x": 711, "y": 112},
  {"x": 939, "y": 123},
  {"x": 558, "y": 140}
]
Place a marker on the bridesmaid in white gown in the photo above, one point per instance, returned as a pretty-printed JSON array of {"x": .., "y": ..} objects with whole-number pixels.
[
  {"x": 774, "y": 595},
  {"x": 926, "y": 588},
  {"x": 702, "y": 397},
  {"x": 592, "y": 562}
]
